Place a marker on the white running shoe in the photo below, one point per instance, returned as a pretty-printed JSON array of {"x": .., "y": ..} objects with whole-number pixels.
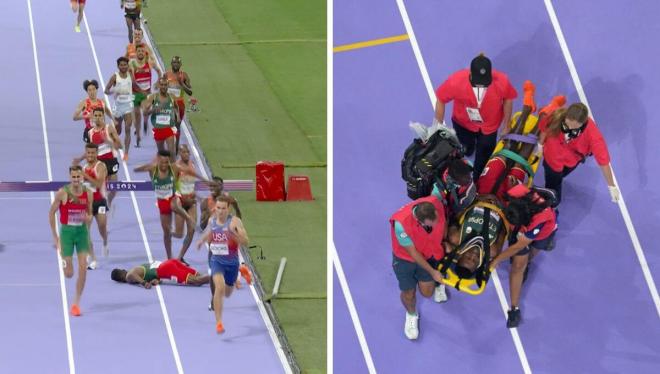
[
  {"x": 91, "y": 265},
  {"x": 411, "y": 329},
  {"x": 440, "y": 294},
  {"x": 106, "y": 250}
]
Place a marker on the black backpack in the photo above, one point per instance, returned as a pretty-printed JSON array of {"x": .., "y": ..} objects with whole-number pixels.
[{"x": 422, "y": 162}]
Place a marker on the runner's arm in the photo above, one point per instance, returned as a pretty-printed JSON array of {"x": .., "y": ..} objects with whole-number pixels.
[
  {"x": 111, "y": 83},
  {"x": 78, "y": 114},
  {"x": 506, "y": 119},
  {"x": 133, "y": 278},
  {"x": 154, "y": 65},
  {"x": 147, "y": 104},
  {"x": 239, "y": 230},
  {"x": 522, "y": 242},
  {"x": 90, "y": 210},
  {"x": 59, "y": 196},
  {"x": 206, "y": 235},
  {"x": 108, "y": 113},
  {"x": 116, "y": 142},
  {"x": 146, "y": 167},
  {"x": 101, "y": 174},
  {"x": 185, "y": 84}
]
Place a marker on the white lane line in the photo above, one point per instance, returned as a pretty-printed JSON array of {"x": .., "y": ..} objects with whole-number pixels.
[
  {"x": 496, "y": 281},
  {"x": 138, "y": 215},
  {"x": 622, "y": 204},
  {"x": 200, "y": 164},
  {"x": 65, "y": 304},
  {"x": 352, "y": 311},
  {"x": 330, "y": 255}
]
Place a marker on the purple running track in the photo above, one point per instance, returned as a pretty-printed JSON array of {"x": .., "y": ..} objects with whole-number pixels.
[
  {"x": 122, "y": 326},
  {"x": 586, "y": 306}
]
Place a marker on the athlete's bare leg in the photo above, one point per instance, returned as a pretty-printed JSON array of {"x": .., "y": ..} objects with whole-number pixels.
[
  {"x": 129, "y": 25},
  {"x": 102, "y": 223},
  {"x": 91, "y": 245},
  {"x": 178, "y": 137},
  {"x": 179, "y": 221},
  {"x": 166, "y": 224},
  {"x": 137, "y": 115},
  {"x": 170, "y": 147},
  {"x": 219, "y": 295},
  {"x": 118, "y": 124},
  {"x": 82, "y": 275},
  {"x": 68, "y": 267},
  {"x": 516, "y": 278},
  {"x": 81, "y": 8},
  {"x": 128, "y": 121},
  {"x": 198, "y": 280},
  {"x": 176, "y": 208},
  {"x": 111, "y": 194}
]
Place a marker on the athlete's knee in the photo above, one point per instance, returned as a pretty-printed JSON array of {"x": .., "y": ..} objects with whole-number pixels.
[
  {"x": 68, "y": 271},
  {"x": 426, "y": 289},
  {"x": 518, "y": 266},
  {"x": 408, "y": 295}
]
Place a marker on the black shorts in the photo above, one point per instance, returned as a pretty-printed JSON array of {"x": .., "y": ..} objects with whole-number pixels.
[
  {"x": 99, "y": 206},
  {"x": 410, "y": 273},
  {"x": 543, "y": 244},
  {"x": 132, "y": 16},
  {"x": 86, "y": 135},
  {"x": 112, "y": 165}
]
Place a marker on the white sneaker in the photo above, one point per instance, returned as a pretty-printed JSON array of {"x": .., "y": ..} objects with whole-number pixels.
[
  {"x": 411, "y": 329},
  {"x": 106, "y": 250},
  {"x": 91, "y": 265},
  {"x": 440, "y": 294}
]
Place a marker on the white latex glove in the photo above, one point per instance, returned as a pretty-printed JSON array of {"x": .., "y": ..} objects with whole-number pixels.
[
  {"x": 614, "y": 193},
  {"x": 539, "y": 149}
]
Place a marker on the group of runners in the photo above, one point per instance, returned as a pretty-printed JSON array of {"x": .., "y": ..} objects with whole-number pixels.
[
  {"x": 135, "y": 104},
  {"x": 458, "y": 234}
]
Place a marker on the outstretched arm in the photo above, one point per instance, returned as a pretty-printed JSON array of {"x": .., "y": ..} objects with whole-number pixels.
[{"x": 133, "y": 277}]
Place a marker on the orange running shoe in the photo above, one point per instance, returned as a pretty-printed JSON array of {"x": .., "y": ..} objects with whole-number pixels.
[
  {"x": 556, "y": 103},
  {"x": 528, "y": 98},
  {"x": 75, "y": 310},
  {"x": 245, "y": 272},
  {"x": 219, "y": 328}
]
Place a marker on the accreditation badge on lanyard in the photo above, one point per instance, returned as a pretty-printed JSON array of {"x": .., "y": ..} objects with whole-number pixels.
[{"x": 473, "y": 113}]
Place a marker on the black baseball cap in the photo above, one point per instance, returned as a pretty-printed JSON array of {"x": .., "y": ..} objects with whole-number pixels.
[{"x": 481, "y": 71}]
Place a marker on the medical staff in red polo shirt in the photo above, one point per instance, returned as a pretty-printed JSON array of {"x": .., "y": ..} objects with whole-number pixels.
[
  {"x": 568, "y": 137},
  {"x": 483, "y": 99},
  {"x": 533, "y": 226},
  {"x": 417, "y": 230}
]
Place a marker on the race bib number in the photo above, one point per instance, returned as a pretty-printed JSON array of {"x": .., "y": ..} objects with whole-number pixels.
[
  {"x": 144, "y": 85},
  {"x": 124, "y": 98},
  {"x": 115, "y": 168},
  {"x": 164, "y": 192},
  {"x": 474, "y": 114},
  {"x": 163, "y": 119},
  {"x": 101, "y": 210},
  {"x": 76, "y": 218},
  {"x": 174, "y": 91},
  {"x": 187, "y": 188},
  {"x": 130, "y": 5},
  {"x": 221, "y": 249}
]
